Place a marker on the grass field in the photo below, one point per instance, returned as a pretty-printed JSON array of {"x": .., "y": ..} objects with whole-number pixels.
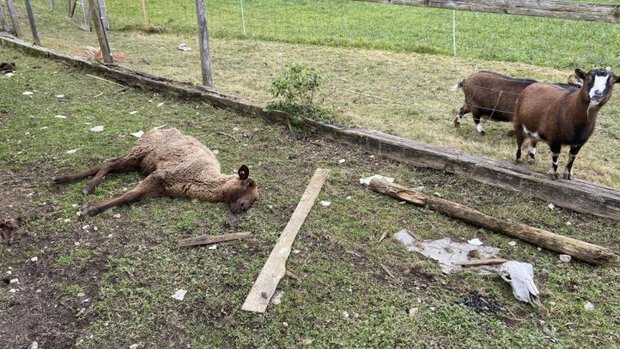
[
  {"x": 344, "y": 23},
  {"x": 107, "y": 281}
]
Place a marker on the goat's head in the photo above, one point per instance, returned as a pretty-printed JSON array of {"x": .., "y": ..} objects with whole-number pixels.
[
  {"x": 598, "y": 85},
  {"x": 242, "y": 193}
]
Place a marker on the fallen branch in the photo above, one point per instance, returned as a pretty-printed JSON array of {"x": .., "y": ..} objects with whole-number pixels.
[
  {"x": 478, "y": 262},
  {"x": 211, "y": 239},
  {"x": 387, "y": 271},
  {"x": 581, "y": 250},
  {"x": 275, "y": 268}
]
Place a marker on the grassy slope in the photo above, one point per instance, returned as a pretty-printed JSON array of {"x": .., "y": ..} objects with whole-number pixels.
[{"x": 130, "y": 266}]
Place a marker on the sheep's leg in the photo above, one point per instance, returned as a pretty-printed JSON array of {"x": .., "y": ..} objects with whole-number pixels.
[
  {"x": 555, "y": 154},
  {"x": 479, "y": 127},
  {"x": 531, "y": 152},
  {"x": 520, "y": 138},
  {"x": 459, "y": 117},
  {"x": 151, "y": 186},
  {"x": 70, "y": 177},
  {"x": 572, "y": 154},
  {"x": 116, "y": 165}
]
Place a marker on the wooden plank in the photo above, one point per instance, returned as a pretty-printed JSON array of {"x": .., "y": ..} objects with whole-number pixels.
[
  {"x": 275, "y": 267},
  {"x": 211, "y": 239},
  {"x": 553, "y": 242},
  {"x": 14, "y": 19},
  {"x": 33, "y": 24},
  {"x": 547, "y": 8},
  {"x": 102, "y": 36},
  {"x": 203, "y": 33},
  {"x": 577, "y": 195}
]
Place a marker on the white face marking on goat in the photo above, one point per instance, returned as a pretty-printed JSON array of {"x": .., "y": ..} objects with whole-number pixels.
[
  {"x": 532, "y": 150},
  {"x": 598, "y": 88}
]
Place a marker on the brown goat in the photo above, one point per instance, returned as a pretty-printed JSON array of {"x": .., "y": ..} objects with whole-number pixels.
[
  {"x": 176, "y": 165},
  {"x": 560, "y": 117},
  {"x": 493, "y": 96}
]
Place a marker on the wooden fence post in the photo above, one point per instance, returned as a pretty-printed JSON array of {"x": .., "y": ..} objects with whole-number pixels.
[
  {"x": 3, "y": 23},
  {"x": 13, "y": 13},
  {"x": 33, "y": 24},
  {"x": 102, "y": 36},
  {"x": 205, "y": 55}
]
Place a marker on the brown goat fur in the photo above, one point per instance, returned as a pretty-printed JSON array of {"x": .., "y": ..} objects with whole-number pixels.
[
  {"x": 176, "y": 165},
  {"x": 493, "y": 96},
  {"x": 560, "y": 117}
]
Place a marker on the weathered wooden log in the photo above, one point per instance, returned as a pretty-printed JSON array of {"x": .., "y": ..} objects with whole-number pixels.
[
  {"x": 211, "y": 239},
  {"x": 3, "y": 22},
  {"x": 581, "y": 250},
  {"x": 547, "y": 8}
]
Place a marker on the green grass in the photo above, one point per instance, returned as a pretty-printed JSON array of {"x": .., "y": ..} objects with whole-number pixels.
[
  {"x": 134, "y": 265},
  {"x": 343, "y": 23}
]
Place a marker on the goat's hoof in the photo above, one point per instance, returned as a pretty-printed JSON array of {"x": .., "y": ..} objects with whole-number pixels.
[
  {"x": 567, "y": 175},
  {"x": 483, "y": 133},
  {"x": 517, "y": 160},
  {"x": 85, "y": 210},
  {"x": 457, "y": 124},
  {"x": 554, "y": 175},
  {"x": 531, "y": 160}
]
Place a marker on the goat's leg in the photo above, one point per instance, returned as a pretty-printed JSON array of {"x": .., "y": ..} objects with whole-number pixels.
[
  {"x": 121, "y": 164},
  {"x": 572, "y": 154},
  {"x": 555, "y": 154},
  {"x": 459, "y": 117},
  {"x": 151, "y": 186},
  {"x": 479, "y": 127},
  {"x": 520, "y": 138},
  {"x": 531, "y": 152}
]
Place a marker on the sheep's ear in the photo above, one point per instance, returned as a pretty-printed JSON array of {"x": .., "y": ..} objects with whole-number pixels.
[
  {"x": 244, "y": 172},
  {"x": 580, "y": 74}
]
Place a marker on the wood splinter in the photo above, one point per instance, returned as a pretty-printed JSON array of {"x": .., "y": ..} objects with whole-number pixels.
[{"x": 211, "y": 239}]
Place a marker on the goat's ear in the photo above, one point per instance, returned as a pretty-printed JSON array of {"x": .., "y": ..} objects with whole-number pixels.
[
  {"x": 580, "y": 74},
  {"x": 244, "y": 172}
]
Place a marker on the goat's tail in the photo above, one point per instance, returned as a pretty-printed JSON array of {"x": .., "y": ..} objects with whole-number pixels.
[{"x": 459, "y": 85}]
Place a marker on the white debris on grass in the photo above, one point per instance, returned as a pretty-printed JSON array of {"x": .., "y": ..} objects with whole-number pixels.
[
  {"x": 34, "y": 259},
  {"x": 412, "y": 312},
  {"x": 179, "y": 294},
  {"x": 551, "y": 206},
  {"x": 27, "y": 93},
  {"x": 72, "y": 151},
  {"x": 8, "y": 75},
  {"x": 133, "y": 112},
  {"x": 449, "y": 254},
  {"x": 138, "y": 134},
  {"x": 588, "y": 306},
  {"x": 341, "y": 161},
  {"x": 212, "y": 247},
  {"x": 133, "y": 346},
  {"x": 160, "y": 104},
  {"x": 277, "y": 297},
  {"x": 60, "y": 96},
  {"x": 521, "y": 278},
  {"x": 325, "y": 203},
  {"x": 565, "y": 258},
  {"x": 183, "y": 47},
  {"x": 367, "y": 180},
  {"x": 98, "y": 128},
  {"x": 569, "y": 223},
  {"x": 475, "y": 242},
  {"x": 59, "y": 116},
  {"x": 512, "y": 243},
  {"x": 14, "y": 281}
]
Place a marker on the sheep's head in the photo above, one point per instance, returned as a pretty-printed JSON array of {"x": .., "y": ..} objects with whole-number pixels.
[{"x": 243, "y": 191}]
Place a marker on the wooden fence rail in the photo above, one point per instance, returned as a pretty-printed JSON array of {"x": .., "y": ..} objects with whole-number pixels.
[{"x": 549, "y": 8}]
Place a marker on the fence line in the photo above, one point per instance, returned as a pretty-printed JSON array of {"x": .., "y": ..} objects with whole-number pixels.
[{"x": 548, "y": 8}]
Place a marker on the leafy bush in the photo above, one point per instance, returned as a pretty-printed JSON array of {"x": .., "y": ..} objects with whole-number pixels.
[{"x": 296, "y": 85}]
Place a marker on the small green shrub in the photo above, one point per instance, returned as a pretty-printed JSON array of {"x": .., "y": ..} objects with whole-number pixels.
[{"x": 296, "y": 85}]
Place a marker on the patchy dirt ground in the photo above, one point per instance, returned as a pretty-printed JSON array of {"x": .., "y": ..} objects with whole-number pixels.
[{"x": 107, "y": 281}]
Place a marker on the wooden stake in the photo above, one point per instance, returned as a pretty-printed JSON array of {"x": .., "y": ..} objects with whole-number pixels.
[
  {"x": 33, "y": 24},
  {"x": 146, "y": 18},
  {"x": 275, "y": 267},
  {"x": 205, "y": 55},
  {"x": 102, "y": 36},
  {"x": 13, "y": 13},
  {"x": 582, "y": 250},
  {"x": 3, "y": 23},
  {"x": 210, "y": 239}
]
